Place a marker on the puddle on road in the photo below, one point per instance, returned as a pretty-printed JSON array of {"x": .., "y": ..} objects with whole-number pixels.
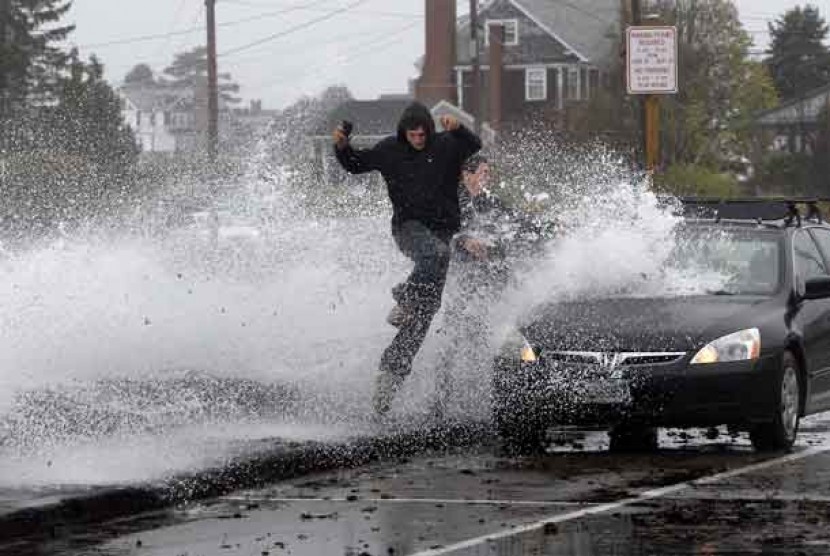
[
  {"x": 685, "y": 527},
  {"x": 313, "y": 529}
]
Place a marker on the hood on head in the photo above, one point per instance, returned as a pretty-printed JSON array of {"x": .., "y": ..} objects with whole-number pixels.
[{"x": 416, "y": 115}]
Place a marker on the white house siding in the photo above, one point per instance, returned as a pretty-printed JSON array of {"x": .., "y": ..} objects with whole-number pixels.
[{"x": 154, "y": 132}]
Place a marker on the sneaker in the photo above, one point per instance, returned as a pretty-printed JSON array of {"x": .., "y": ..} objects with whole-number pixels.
[
  {"x": 386, "y": 386},
  {"x": 398, "y": 316}
]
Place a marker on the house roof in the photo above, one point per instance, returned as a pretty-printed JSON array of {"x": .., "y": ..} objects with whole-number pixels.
[
  {"x": 151, "y": 98},
  {"x": 588, "y": 26},
  {"x": 804, "y": 109},
  {"x": 587, "y": 30},
  {"x": 488, "y": 135},
  {"x": 371, "y": 117}
]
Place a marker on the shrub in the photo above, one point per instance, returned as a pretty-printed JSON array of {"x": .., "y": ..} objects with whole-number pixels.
[{"x": 696, "y": 180}]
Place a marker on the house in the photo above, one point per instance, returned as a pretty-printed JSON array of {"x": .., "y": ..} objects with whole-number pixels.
[
  {"x": 172, "y": 120},
  {"x": 552, "y": 60},
  {"x": 161, "y": 117},
  {"x": 794, "y": 124}
]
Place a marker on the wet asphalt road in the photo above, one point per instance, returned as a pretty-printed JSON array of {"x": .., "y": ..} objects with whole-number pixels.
[{"x": 694, "y": 496}]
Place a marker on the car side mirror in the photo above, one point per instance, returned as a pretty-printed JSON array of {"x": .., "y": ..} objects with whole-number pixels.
[{"x": 817, "y": 288}]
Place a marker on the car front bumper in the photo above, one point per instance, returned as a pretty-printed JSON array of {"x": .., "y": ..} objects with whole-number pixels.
[{"x": 675, "y": 394}]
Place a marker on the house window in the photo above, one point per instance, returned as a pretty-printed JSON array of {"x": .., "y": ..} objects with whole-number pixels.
[
  {"x": 593, "y": 82},
  {"x": 511, "y": 31},
  {"x": 536, "y": 84},
  {"x": 572, "y": 92}
]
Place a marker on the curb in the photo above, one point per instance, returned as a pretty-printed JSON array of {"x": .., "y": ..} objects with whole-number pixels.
[{"x": 286, "y": 462}]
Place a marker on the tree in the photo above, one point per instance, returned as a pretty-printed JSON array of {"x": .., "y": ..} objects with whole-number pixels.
[
  {"x": 88, "y": 118},
  {"x": 798, "y": 59},
  {"x": 66, "y": 156},
  {"x": 720, "y": 89},
  {"x": 29, "y": 59},
  {"x": 72, "y": 161},
  {"x": 189, "y": 70},
  {"x": 141, "y": 74}
]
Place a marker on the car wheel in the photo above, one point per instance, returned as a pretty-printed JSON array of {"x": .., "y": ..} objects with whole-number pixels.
[
  {"x": 633, "y": 438},
  {"x": 780, "y": 432}
]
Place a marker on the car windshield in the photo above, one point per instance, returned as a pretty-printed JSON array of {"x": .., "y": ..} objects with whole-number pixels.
[{"x": 729, "y": 262}]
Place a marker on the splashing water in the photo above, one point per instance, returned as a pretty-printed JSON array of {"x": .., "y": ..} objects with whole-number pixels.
[
  {"x": 110, "y": 342},
  {"x": 614, "y": 237},
  {"x": 113, "y": 341}
]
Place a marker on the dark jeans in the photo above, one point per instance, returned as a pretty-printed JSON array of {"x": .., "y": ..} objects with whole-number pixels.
[{"x": 420, "y": 294}]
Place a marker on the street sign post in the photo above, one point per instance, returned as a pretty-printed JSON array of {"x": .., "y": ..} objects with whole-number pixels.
[
  {"x": 651, "y": 60},
  {"x": 651, "y": 70}
]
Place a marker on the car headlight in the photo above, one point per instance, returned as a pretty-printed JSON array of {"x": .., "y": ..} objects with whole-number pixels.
[
  {"x": 517, "y": 347},
  {"x": 744, "y": 345}
]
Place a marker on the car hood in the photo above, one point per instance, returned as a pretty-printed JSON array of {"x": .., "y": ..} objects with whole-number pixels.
[{"x": 642, "y": 324}]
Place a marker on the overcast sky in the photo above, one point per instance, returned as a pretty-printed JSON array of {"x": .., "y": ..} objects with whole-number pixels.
[{"x": 369, "y": 45}]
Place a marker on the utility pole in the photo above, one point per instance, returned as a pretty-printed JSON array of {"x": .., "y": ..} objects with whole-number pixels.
[
  {"x": 213, "y": 119},
  {"x": 213, "y": 85},
  {"x": 476, "y": 96},
  {"x": 649, "y": 110},
  {"x": 5, "y": 36},
  {"x": 636, "y": 21}
]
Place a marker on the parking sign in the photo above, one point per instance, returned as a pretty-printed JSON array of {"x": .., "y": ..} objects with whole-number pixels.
[{"x": 651, "y": 60}]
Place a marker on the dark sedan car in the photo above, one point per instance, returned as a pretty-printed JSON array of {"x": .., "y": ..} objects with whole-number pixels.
[{"x": 751, "y": 352}]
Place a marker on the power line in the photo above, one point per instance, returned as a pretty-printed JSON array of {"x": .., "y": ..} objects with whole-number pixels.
[
  {"x": 368, "y": 48},
  {"x": 200, "y": 29},
  {"x": 341, "y": 38},
  {"x": 380, "y": 13},
  {"x": 143, "y": 38},
  {"x": 293, "y": 29},
  {"x": 197, "y": 22},
  {"x": 175, "y": 22},
  {"x": 358, "y": 50}
]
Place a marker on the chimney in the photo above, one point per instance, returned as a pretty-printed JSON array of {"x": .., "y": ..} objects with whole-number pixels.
[
  {"x": 437, "y": 82},
  {"x": 496, "y": 74}
]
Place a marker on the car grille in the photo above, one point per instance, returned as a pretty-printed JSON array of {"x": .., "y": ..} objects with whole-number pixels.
[{"x": 613, "y": 360}]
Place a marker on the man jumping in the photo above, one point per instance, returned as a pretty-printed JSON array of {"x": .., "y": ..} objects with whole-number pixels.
[{"x": 421, "y": 168}]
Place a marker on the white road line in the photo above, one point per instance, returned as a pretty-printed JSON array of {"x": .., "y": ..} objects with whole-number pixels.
[
  {"x": 445, "y": 501},
  {"x": 602, "y": 508}
]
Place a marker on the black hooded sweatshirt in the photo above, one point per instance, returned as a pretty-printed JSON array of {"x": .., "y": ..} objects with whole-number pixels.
[{"x": 422, "y": 185}]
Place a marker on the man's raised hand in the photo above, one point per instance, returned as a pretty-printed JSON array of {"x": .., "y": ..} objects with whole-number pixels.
[
  {"x": 340, "y": 139},
  {"x": 450, "y": 123}
]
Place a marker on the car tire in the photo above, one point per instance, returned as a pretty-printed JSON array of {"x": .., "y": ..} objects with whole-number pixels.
[
  {"x": 633, "y": 438},
  {"x": 780, "y": 432}
]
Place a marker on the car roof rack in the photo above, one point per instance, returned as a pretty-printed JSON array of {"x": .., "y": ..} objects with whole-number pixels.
[{"x": 784, "y": 211}]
